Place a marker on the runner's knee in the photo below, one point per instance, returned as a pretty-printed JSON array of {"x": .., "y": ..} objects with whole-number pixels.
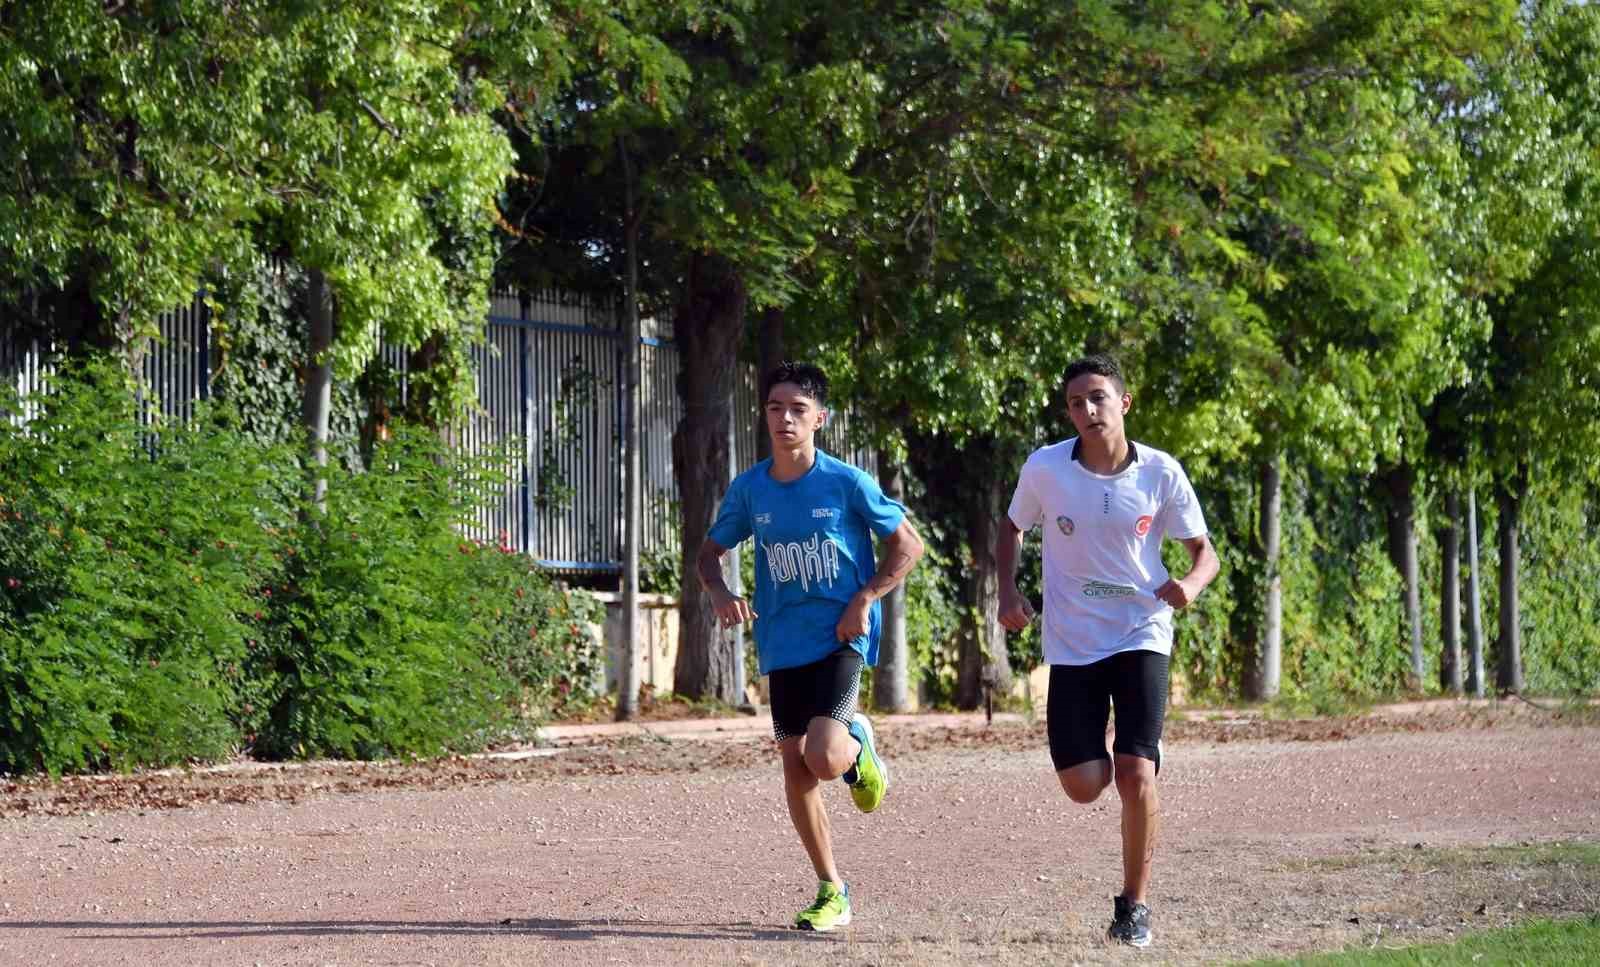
[
  {"x": 1136, "y": 777},
  {"x": 828, "y": 760},
  {"x": 1083, "y": 783}
]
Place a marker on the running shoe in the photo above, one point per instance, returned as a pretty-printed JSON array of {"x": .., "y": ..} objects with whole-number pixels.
[
  {"x": 831, "y": 909},
  {"x": 868, "y": 779},
  {"x": 1130, "y": 923}
]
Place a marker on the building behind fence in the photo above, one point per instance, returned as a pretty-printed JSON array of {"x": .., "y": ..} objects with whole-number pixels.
[{"x": 550, "y": 378}]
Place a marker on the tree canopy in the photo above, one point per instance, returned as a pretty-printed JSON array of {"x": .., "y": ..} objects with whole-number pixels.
[{"x": 1332, "y": 238}]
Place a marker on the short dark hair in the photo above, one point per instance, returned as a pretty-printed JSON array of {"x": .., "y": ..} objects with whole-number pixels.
[
  {"x": 812, "y": 381},
  {"x": 1098, "y": 364}
]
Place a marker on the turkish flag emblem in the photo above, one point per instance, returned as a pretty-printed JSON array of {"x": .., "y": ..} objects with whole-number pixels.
[{"x": 1142, "y": 525}]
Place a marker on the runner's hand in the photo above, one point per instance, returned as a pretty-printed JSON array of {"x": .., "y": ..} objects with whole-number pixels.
[
  {"x": 1015, "y": 611},
  {"x": 732, "y": 610},
  {"x": 853, "y": 623},
  {"x": 1175, "y": 593}
]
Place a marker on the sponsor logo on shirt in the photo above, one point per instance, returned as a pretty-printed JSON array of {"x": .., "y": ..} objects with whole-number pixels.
[
  {"x": 763, "y": 519},
  {"x": 1065, "y": 524},
  {"x": 824, "y": 512},
  {"x": 811, "y": 562},
  {"x": 1142, "y": 525},
  {"x": 1102, "y": 589}
]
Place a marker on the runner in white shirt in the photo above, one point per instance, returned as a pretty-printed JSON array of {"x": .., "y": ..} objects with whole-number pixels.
[{"x": 1104, "y": 504}]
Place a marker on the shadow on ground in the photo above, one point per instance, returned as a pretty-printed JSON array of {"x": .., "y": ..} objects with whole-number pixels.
[{"x": 549, "y": 929}]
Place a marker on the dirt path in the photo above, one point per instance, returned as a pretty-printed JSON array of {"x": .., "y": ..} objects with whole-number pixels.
[{"x": 680, "y": 853}]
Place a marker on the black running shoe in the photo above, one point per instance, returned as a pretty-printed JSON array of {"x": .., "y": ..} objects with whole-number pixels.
[{"x": 1130, "y": 923}]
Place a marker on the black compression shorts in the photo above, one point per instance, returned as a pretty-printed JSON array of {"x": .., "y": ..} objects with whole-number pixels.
[
  {"x": 1080, "y": 703},
  {"x": 825, "y": 688}
]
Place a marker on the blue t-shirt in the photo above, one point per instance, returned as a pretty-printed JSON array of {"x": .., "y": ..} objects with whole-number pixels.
[{"x": 813, "y": 540}]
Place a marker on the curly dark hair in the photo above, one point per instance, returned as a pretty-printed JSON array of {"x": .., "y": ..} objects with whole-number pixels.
[
  {"x": 1098, "y": 364},
  {"x": 812, "y": 381}
]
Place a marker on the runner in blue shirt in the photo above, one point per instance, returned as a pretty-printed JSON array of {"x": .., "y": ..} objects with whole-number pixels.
[{"x": 816, "y": 610}]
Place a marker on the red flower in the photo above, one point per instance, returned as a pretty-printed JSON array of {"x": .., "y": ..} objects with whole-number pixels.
[{"x": 13, "y": 583}]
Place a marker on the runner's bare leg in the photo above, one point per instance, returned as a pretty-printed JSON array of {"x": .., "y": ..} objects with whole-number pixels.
[
  {"x": 1136, "y": 784},
  {"x": 826, "y": 751}
]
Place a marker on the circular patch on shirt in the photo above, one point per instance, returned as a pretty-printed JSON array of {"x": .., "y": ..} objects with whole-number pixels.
[
  {"x": 1065, "y": 524},
  {"x": 1142, "y": 525}
]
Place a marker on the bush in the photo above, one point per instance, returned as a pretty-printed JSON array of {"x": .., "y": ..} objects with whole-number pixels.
[
  {"x": 370, "y": 646},
  {"x": 128, "y": 556},
  {"x": 166, "y": 596},
  {"x": 538, "y": 632}
]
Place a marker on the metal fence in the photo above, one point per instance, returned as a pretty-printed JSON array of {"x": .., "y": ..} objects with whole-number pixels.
[{"x": 549, "y": 377}]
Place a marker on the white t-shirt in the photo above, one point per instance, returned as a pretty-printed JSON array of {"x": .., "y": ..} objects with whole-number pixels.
[{"x": 1102, "y": 548}]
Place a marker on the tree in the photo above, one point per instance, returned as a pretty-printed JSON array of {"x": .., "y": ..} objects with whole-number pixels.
[
  {"x": 1304, "y": 310},
  {"x": 156, "y": 146},
  {"x": 739, "y": 125},
  {"x": 1532, "y": 141},
  {"x": 115, "y": 131}
]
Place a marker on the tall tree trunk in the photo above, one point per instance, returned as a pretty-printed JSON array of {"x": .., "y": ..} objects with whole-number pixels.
[
  {"x": 982, "y": 657},
  {"x": 1450, "y": 594},
  {"x": 770, "y": 352},
  {"x": 1400, "y": 483},
  {"x": 1475, "y": 676},
  {"x": 1264, "y": 662},
  {"x": 707, "y": 326},
  {"x": 1508, "y": 498},
  {"x": 319, "y": 380},
  {"x": 890, "y": 682}
]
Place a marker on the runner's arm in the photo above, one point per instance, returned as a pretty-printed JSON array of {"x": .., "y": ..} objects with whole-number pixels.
[
  {"x": 898, "y": 554},
  {"x": 1203, "y": 567},
  {"x": 1015, "y": 611},
  {"x": 730, "y": 608}
]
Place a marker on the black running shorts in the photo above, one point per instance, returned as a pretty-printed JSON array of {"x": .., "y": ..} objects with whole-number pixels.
[
  {"x": 1080, "y": 703},
  {"x": 825, "y": 688}
]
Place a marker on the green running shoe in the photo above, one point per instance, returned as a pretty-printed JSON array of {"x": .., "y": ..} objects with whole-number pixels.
[
  {"x": 830, "y": 909},
  {"x": 869, "y": 777}
]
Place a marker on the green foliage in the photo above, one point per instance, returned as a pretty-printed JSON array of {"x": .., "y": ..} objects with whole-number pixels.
[
  {"x": 1344, "y": 636},
  {"x": 933, "y": 622},
  {"x": 1560, "y": 592},
  {"x": 1203, "y": 651},
  {"x": 259, "y": 331},
  {"x": 129, "y": 559},
  {"x": 1342, "y": 609},
  {"x": 150, "y": 146},
  {"x": 166, "y": 597},
  {"x": 391, "y": 633},
  {"x": 661, "y": 569},
  {"x": 541, "y": 634},
  {"x": 1353, "y": 235}
]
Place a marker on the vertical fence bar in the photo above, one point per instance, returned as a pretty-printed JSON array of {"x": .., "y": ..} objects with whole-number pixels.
[{"x": 525, "y": 432}]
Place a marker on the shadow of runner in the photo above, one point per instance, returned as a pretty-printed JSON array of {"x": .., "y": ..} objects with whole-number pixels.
[{"x": 538, "y": 927}]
